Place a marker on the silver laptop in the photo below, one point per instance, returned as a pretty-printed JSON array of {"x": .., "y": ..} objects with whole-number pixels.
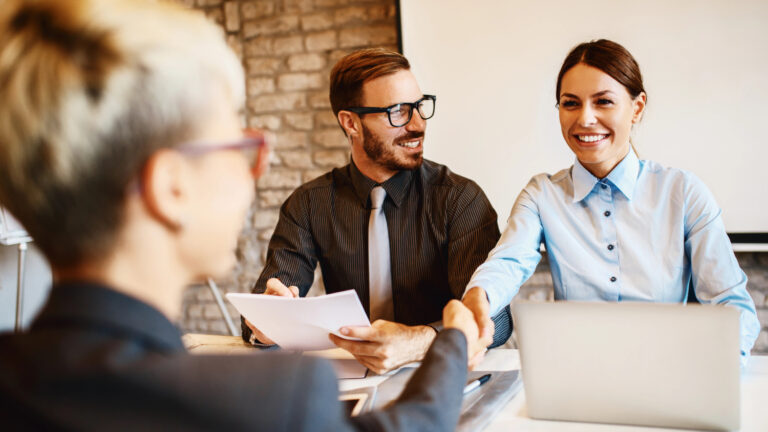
[{"x": 631, "y": 363}]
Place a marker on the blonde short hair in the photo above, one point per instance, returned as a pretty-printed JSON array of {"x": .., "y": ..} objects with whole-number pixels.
[{"x": 89, "y": 89}]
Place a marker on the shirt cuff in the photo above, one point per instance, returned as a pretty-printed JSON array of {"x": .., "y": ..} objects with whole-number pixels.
[
  {"x": 744, "y": 359},
  {"x": 496, "y": 301},
  {"x": 437, "y": 326},
  {"x": 255, "y": 342}
]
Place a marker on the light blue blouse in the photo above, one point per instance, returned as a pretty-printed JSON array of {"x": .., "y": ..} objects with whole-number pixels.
[{"x": 643, "y": 233}]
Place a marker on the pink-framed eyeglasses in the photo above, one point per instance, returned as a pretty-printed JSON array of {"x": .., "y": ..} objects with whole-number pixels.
[{"x": 254, "y": 145}]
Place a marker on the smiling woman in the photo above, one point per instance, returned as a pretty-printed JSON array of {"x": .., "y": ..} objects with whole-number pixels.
[
  {"x": 600, "y": 96},
  {"x": 616, "y": 228}
]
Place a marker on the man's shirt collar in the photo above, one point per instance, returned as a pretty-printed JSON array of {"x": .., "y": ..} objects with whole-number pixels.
[{"x": 396, "y": 186}]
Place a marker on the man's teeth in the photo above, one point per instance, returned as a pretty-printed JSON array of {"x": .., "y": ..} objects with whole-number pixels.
[
  {"x": 410, "y": 144},
  {"x": 590, "y": 138}
]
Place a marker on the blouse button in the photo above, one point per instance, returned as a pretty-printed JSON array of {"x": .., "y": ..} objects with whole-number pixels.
[
  {"x": 603, "y": 185},
  {"x": 607, "y": 213},
  {"x": 613, "y": 278},
  {"x": 610, "y": 247}
]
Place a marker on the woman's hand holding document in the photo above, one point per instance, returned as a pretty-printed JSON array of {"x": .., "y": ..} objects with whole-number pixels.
[{"x": 300, "y": 323}]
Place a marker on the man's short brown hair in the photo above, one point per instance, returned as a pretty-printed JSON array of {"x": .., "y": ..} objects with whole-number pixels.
[{"x": 351, "y": 72}]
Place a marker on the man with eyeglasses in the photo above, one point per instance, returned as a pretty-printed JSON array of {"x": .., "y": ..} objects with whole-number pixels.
[{"x": 405, "y": 233}]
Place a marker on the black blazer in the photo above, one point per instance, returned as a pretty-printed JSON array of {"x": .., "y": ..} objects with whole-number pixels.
[{"x": 96, "y": 359}]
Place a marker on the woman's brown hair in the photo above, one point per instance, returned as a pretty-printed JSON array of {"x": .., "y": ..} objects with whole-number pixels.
[{"x": 609, "y": 57}]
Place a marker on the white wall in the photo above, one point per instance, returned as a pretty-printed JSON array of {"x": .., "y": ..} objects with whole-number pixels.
[{"x": 493, "y": 65}]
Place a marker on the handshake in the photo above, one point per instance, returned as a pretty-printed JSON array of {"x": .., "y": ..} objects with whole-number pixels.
[{"x": 387, "y": 345}]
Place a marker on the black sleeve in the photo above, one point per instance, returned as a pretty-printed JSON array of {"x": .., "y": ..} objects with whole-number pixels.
[
  {"x": 431, "y": 401},
  {"x": 305, "y": 394},
  {"x": 473, "y": 231},
  {"x": 316, "y": 404},
  {"x": 291, "y": 255}
]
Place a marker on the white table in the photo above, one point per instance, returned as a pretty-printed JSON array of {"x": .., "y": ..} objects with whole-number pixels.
[{"x": 754, "y": 391}]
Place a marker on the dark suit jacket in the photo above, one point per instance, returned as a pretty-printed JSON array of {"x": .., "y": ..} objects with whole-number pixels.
[{"x": 96, "y": 359}]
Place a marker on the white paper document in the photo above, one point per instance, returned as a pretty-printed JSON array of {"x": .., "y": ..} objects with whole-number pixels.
[{"x": 301, "y": 323}]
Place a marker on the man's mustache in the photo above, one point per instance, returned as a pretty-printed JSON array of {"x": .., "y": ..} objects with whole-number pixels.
[{"x": 410, "y": 136}]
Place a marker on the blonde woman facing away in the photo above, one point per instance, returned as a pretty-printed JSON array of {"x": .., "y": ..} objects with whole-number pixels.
[{"x": 121, "y": 153}]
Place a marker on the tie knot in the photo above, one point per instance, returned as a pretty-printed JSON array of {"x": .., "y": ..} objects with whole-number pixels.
[{"x": 377, "y": 197}]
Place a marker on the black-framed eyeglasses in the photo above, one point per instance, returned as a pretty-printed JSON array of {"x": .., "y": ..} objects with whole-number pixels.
[
  {"x": 400, "y": 114},
  {"x": 253, "y": 145}
]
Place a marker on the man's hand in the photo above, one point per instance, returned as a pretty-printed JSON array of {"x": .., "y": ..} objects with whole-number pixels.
[
  {"x": 477, "y": 302},
  {"x": 386, "y": 344},
  {"x": 275, "y": 288},
  {"x": 458, "y": 316}
]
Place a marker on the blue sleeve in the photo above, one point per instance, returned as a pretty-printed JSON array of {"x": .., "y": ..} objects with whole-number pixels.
[
  {"x": 717, "y": 277},
  {"x": 515, "y": 256}
]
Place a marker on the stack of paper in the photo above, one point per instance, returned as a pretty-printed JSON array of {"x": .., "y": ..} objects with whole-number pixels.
[{"x": 301, "y": 323}]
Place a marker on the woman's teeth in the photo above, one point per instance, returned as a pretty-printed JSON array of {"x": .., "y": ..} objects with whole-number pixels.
[
  {"x": 410, "y": 144},
  {"x": 590, "y": 138}
]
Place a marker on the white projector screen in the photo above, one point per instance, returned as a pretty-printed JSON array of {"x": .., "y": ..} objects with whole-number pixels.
[{"x": 493, "y": 66}]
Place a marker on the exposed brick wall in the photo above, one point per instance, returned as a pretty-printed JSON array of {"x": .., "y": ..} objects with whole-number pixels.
[
  {"x": 755, "y": 265},
  {"x": 288, "y": 48}
]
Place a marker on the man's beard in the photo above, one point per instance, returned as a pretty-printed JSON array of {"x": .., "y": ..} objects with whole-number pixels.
[{"x": 386, "y": 156}]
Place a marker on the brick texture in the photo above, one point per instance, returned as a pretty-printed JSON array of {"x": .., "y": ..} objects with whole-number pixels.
[{"x": 288, "y": 48}]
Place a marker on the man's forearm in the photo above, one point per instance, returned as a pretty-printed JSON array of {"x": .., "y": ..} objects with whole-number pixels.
[{"x": 423, "y": 338}]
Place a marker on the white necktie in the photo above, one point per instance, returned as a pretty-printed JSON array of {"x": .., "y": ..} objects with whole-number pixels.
[{"x": 379, "y": 271}]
